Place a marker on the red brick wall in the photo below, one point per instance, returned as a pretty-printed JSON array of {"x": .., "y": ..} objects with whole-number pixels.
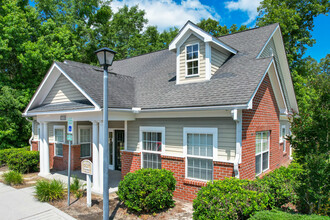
[
  {"x": 34, "y": 145},
  {"x": 186, "y": 189},
  {"x": 264, "y": 116},
  {"x": 130, "y": 161},
  {"x": 61, "y": 163}
]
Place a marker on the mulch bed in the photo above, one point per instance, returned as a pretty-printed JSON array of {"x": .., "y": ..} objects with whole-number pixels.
[{"x": 78, "y": 209}]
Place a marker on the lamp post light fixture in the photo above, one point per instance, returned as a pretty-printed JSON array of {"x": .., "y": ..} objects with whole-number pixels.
[{"x": 105, "y": 57}]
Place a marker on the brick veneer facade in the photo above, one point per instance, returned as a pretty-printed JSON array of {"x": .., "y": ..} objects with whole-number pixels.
[
  {"x": 61, "y": 163},
  {"x": 264, "y": 116}
]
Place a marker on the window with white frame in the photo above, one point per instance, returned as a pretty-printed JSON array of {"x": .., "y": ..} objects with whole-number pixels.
[
  {"x": 38, "y": 132},
  {"x": 152, "y": 141},
  {"x": 283, "y": 134},
  {"x": 200, "y": 148},
  {"x": 59, "y": 134},
  {"x": 85, "y": 140},
  {"x": 192, "y": 61},
  {"x": 262, "y": 151}
]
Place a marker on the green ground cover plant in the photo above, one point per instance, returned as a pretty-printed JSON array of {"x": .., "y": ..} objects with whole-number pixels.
[
  {"x": 13, "y": 178},
  {"x": 49, "y": 191},
  {"x": 147, "y": 190},
  {"x": 280, "y": 215}
]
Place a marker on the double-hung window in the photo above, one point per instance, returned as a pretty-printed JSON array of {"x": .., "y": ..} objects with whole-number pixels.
[
  {"x": 200, "y": 146},
  {"x": 283, "y": 134},
  {"x": 85, "y": 140},
  {"x": 59, "y": 133},
  {"x": 262, "y": 151},
  {"x": 192, "y": 62},
  {"x": 152, "y": 141}
]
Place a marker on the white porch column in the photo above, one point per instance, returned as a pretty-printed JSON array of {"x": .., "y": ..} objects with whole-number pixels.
[
  {"x": 96, "y": 159},
  {"x": 125, "y": 137},
  {"x": 41, "y": 151},
  {"x": 100, "y": 164},
  {"x": 46, "y": 149}
]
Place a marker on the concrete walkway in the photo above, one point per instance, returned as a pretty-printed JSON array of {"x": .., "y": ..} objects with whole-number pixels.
[{"x": 21, "y": 204}]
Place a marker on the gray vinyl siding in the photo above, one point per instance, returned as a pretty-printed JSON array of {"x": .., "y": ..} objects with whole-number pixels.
[
  {"x": 174, "y": 134},
  {"x": 267, "y": 52},
  {"x": 217, "y": 59},
  {"x": 192, "y": 40},
  {"x": 63, "y": 91},
  {"x": 35, "y": 130}
]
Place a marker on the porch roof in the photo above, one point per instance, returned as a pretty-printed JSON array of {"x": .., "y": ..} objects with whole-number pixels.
[{"x": 62, "y": 106}]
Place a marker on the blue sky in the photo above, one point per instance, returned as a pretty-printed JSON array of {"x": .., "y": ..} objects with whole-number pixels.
[{"x": 169, "y": 13}]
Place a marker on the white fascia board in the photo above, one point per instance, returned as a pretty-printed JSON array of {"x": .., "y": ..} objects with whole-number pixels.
[
  {"x": 78, "y": 87},
  {"x": 222, "y": 107},
  {"x": 250, "y": 103},
  {"x": 60, "y": 112},
  {"x": 39, "y": 89},
  {"x": 277, "y": 27},
  {"x": 206, "y": 38},
  {"x": 281, "y": 88}
]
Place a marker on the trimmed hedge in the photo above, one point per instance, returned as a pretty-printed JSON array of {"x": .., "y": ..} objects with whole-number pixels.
[
  {"x": 279, "y": 215},
  {"x": 23, "y": 161},
  {"x": 280, "y": 185},
  {"x": 4, "y": 154},
  {"x": 147, "y": 190},
  {"x": 230, "y": 198}
]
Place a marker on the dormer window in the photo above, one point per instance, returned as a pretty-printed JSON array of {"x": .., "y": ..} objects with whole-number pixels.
[{"x": 192, "y": 61}]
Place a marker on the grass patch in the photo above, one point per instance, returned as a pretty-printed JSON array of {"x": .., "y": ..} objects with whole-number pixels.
[{"x": 280, "y": 215}]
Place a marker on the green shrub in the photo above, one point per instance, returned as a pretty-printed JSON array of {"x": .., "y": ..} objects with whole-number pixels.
[
  {"x": 23, "y": 161},
  {"x": 280, "y": 185},
  {"x": 4, "y": 154},
  {"x": 279, "y": 215},
  {"x": 75, "y": 187},
  {"x": 147, "y": 190},
  {"x": 49, "y": 191},
  {"x": 229, "y": 199},
  {"x": 13, "y": 178}
]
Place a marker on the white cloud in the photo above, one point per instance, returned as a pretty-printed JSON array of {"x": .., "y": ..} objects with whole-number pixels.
[
  {"x": 167, "y": 13},
  {"x": 249, "y": 6}
]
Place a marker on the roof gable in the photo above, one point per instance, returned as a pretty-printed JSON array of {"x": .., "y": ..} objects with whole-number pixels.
[{"x": 190, "y": 28}]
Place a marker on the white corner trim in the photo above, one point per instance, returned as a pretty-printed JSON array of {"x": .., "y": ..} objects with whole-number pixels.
[
  {"x": 281, "y": 88},
  {"x": 78, "y": 87},
  {"x": 250, "y": 103},
  {"x": 207, "y": 60},
  {"x": 259, "y": 54},
  {"x": 178, "y": 65}
]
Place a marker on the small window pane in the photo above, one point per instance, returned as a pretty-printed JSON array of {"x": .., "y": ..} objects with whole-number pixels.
[
  {"x": 265, "y": 161},
  {"x": 195, "y": 47},
  {"x": 59, "y": 135},
  {"x": 151, "y": 160},
  {"x": 258, "y": 164},
  {"x": 59, "y": 149},
  {"x": 199, "y": 168},
  {"x": 85, "y": 150},
  {"x": 265, "y": 141},
  {"x": 189, "y": 49}
]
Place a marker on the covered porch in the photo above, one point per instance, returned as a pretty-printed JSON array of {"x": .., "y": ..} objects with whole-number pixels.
[{"x": 87, "y": 143}]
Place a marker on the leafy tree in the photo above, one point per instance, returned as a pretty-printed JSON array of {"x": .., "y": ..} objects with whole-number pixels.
[
  {"x": 310, "y": 140},
  {"x": 214, "y": 27},
  {"x": 12, "y": 125}
]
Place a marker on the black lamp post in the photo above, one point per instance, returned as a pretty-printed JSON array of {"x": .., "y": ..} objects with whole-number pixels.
[{"x": 105, "y": 57}]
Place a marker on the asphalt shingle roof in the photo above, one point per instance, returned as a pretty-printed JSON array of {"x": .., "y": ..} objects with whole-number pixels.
[{"x": 149, "y": 81}]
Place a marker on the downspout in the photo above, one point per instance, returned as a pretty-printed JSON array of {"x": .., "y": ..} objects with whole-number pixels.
[
  {"x": 237, "y": 117},
  {"x": 32, "y": 135}
]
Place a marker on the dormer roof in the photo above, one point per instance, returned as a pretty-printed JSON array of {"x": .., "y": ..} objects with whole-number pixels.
[{"x": 190, "y": 28}]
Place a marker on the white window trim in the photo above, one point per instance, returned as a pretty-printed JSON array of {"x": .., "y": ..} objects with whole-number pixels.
[
  {"x": 282, "y": 140},
  {"x": 186, "y": 61},
  {"x": 151, "y": 129},
  {"x": 90, "y": 143},
  {"x": 55, "y": 142},
  {"x": 214, "y": 132},
  {"x": 261, "y": 152}
]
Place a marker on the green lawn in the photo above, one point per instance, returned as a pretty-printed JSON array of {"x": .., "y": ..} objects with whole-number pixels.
[{"x": 279, "y": 215}]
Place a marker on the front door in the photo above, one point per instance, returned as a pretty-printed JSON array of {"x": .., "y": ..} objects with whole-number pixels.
[
  {"x": 119, "y": 145},
  {"x": 116, "y": 144}
]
